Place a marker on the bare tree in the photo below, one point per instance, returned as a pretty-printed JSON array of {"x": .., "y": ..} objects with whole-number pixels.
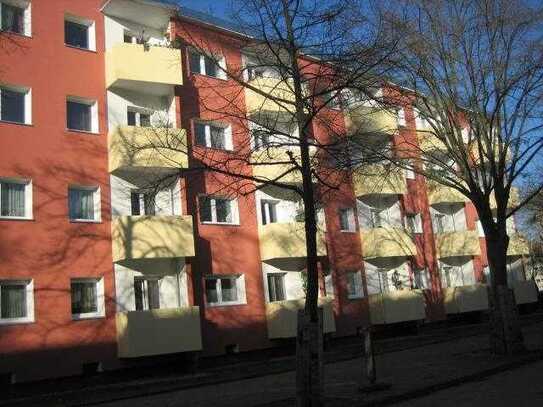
[{"x": 473, "y": 71}]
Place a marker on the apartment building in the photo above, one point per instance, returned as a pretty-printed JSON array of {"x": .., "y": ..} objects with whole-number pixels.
[{"x": 101, "y": 268}]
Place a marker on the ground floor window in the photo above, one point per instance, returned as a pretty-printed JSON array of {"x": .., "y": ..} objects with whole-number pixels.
[
  {"x": 16, "y": 301},
  {"x": 87, "y": 298}
]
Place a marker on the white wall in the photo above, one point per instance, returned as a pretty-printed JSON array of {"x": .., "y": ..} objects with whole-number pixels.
[
  {"x": 463, "y": 273},
  {"x": 380, "y": 272},
  {"x": 162, "y": 108},
  {"x": 388, "y": 206},
  {"x": 293, "y": 282},
  {"x": 286, "y": 210},
  {"x": 455, "y": 216},
  {"x": 172, "y": 284},
  {"x": 116, "y": 27}
]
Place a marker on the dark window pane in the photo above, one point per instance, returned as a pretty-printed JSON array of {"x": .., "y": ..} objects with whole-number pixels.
[
  {"x": 135, "y": 203},
  {"x": 145, "y": 120},
  {"x": 79, "y": 116},
  {"x": 211, "y": 291},
  {"x": 276, "y": 287},
  {"x": 13, "y": 301},
  {"x": 222, "y": 207},
  {"x": 211, "y": 67},
  {"x": 13, "y": 106},
  {"x": 128, "y": 38},
  {"x": 149, "y": 201},
  {"x": 76, "y": 35},
  {"x": 217, "y": 137},
  {"x": 153, "y": 294},
  {"x": 200, "y": 130},
  {"x": 84, "y": 297},
  {"x": 81, "y": 204},
  {"x": 229, "y": 289},
  {"x": 205, "y": 209},
  {"x": 138, "y": 293},
  {"x": 13, "y": 199},
  {"x": 131, "y": 118},
  {"x": 12, "y": 19},
  {"x": 194, "y": 61}
]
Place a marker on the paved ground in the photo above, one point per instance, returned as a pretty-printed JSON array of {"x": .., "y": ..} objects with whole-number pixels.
[{"x": 522, "y": 387}]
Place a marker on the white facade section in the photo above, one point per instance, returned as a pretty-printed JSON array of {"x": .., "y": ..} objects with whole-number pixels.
[
  {"x": 379, "y": 211},
  {"x": 448, "y": 217},
  {"x": 456, "y": 271},
  {"x": 116, "y": 29},
  {"x": 293, "y": 280},
  {"x": 387, "y": 274}
]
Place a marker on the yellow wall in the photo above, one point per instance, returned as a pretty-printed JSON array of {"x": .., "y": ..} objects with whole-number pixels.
[
  {"x": 518, "y": 245},
  {"x": 148, "y": 147},
  {"x": 387, "y": 242},
  {"x": 286, "y": 240},
  {"x": 160, "y": 331},
  {"x": 365, "y": 120},
  {"x": 282, "y": 317},
  {"x": 379, "y": 179},
  {"x": 151, "y": 237},
  {"x": 438, "y": 193},
  {"x": 397, "y": 306},
  {"x": 465, "y": 299},
  {"x": 271, "y": 156},
  {"x": 278, "y": 88},
  {"x": 132, "y": 62},
  {"x": 463, "y": 243}
]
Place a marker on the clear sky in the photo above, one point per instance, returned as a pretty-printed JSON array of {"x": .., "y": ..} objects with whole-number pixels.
[{"x": 215, "y": 7}]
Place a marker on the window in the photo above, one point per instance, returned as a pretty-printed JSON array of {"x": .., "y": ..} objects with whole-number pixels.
[
  {"x": 138, "y": 118},
  {"x": 79, "y": 33},
  {"x": 401, "y": 117},
  {"x": 213, "y": 135},
  {"x": 218, "y": 210},
  {"x": 332, "y": 99},
  {"x": 346, "y": 220},
  {"x": 204, "y": 65},
  {"x": 146, "y": 293},
  {"x": 421, "y": 278},
  {"x": 276, "y": 287},
  {"x": 87, "y": 298},
  {"x": 142, "y": 203},
  {"x": 377, "y": 218},
  {"x": 414, "y": 223},
  {"x": 15, "y": 17},
  {"x": 439, "y": 222},
  {"x": 354, "y": 285},
  {"x": 225, "y": 290},
  {"x": 16, "y": 301},
  {"x": 16, "y": 104},
  {"x": 81, "y": 114},
  {"x": 410, "y": 171},
  {"x": 268, "y": 209},
  {"x": 15, "y": 199},
  {"x": 262, "y": 138},
  {"x": 457, "y": 275},
  {"x": 84, "y": 204}
]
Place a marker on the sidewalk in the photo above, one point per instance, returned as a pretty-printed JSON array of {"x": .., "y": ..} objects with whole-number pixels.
[{"x": 411, "y": 372}]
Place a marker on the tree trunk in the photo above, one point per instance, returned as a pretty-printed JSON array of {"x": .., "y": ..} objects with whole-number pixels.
[{"x": 505, "y": 333}]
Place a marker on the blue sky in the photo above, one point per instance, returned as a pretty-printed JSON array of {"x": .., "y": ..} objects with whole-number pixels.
[{"x": 217, "y": 7}]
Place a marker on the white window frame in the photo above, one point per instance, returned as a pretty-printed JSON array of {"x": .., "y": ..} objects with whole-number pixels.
[
  {"x": 145, "y": 292},
  {"x": 227, "y": 134},
  {"x": 416, "y": 226},
  {"x": 29, "y": 284},
  {"x": 28, "y": 197},
  {"x": 410, "y": 171},
  {"x": 93, "y": 104},
  {"x": 26, "y": 5},
  {"x": 91, "y": 31},
  {"x": 266, "y": 204},
  {"x": 138, "y": 112},
  {"x": 213, "y": 199},
  {"x": 281, "y": 275},
  {"x": 100, "y": 303},
  {"x": 96, "y": 194},
  {"x": 221, "y": 74},
  {"x": 401, "y": 117},
  {"x": 27, "y": 92},
  {"x": 351, "y": 220},
  {"x": 240, "y": 288},
  {"x": 358, "y": 285}
]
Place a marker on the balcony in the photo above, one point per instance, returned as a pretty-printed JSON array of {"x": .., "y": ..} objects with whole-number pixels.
[
  {"x": 366, "y": 121},
  {"x": 282, "y": 317},
  {"x": 150, "y": 68},
  {"x": 397, "y": 306},
  {"x": 467, "y": 298},
  {"x": 438, "y": 193},
  {"x": 518, "y": 245},
  {"x": 379, "y": 179},
  {"x": 387, "y": 242},
  {"x": 152, "y": 237},
  {"x": 158, "y": 332},
  {"x": 272, "y": 162},
  {"x": 275, "y": 88},
  {"x": 462, "y": 243},
  {"x": 147, "y": 148},
  {"x": 525, "y": 292},
  {"x": 429, "y": 142},
  {"x": 286, "y": 241}
]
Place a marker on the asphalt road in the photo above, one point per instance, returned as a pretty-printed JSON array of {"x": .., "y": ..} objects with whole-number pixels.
[{"x": 522, "y": 387}]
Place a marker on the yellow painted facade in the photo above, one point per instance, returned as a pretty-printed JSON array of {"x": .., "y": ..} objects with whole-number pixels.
[
  {"x": 270, "y": 163},
  {"x": 364, "y": 121},
  {"x": 286, "y": 240},
  {"x": 147, "y": 147},
  {"x": 429, "y": 142},
  {"x": 273, "y": 88},
  {"x": 462, "y": 243},
  {"x": 518, "y": 245},
  {"x": 387, "y": 242},
  {"x": 467, "y": 298},
  {"x": 282, "y": 317},
  {"x": 379, "y": 179},
  {"x": 438, "y": 193},
  {"x": 159, "y": 331},
  {"x": 397, "y": 306},
  {"x": 152, "y": 237},
  {"x": 135, "y": 62},
  {"x": 525, "y": 292}
]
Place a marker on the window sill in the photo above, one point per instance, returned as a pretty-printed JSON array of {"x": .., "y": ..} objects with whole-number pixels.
[
  {"x": 16, "y": 123},
  {"x": 196, "y": 74},
  {"x": 96, "y": 133},
  {"x": 225, "y": 304},
  {"x": 17, "y": 218},
  {"x": 85, "y": 317},
  {"x": 220, "y": 224},
  {"x": 355, "y": 297},
  {"x": 349, "y": 231},
  {"x": 221, "y": 150},
  {"x": 80, "y": 49},
  {"x": 6, "y": 32},
  {"x": 18, "y": 321},
  {"x": 84, "y": 221}
]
